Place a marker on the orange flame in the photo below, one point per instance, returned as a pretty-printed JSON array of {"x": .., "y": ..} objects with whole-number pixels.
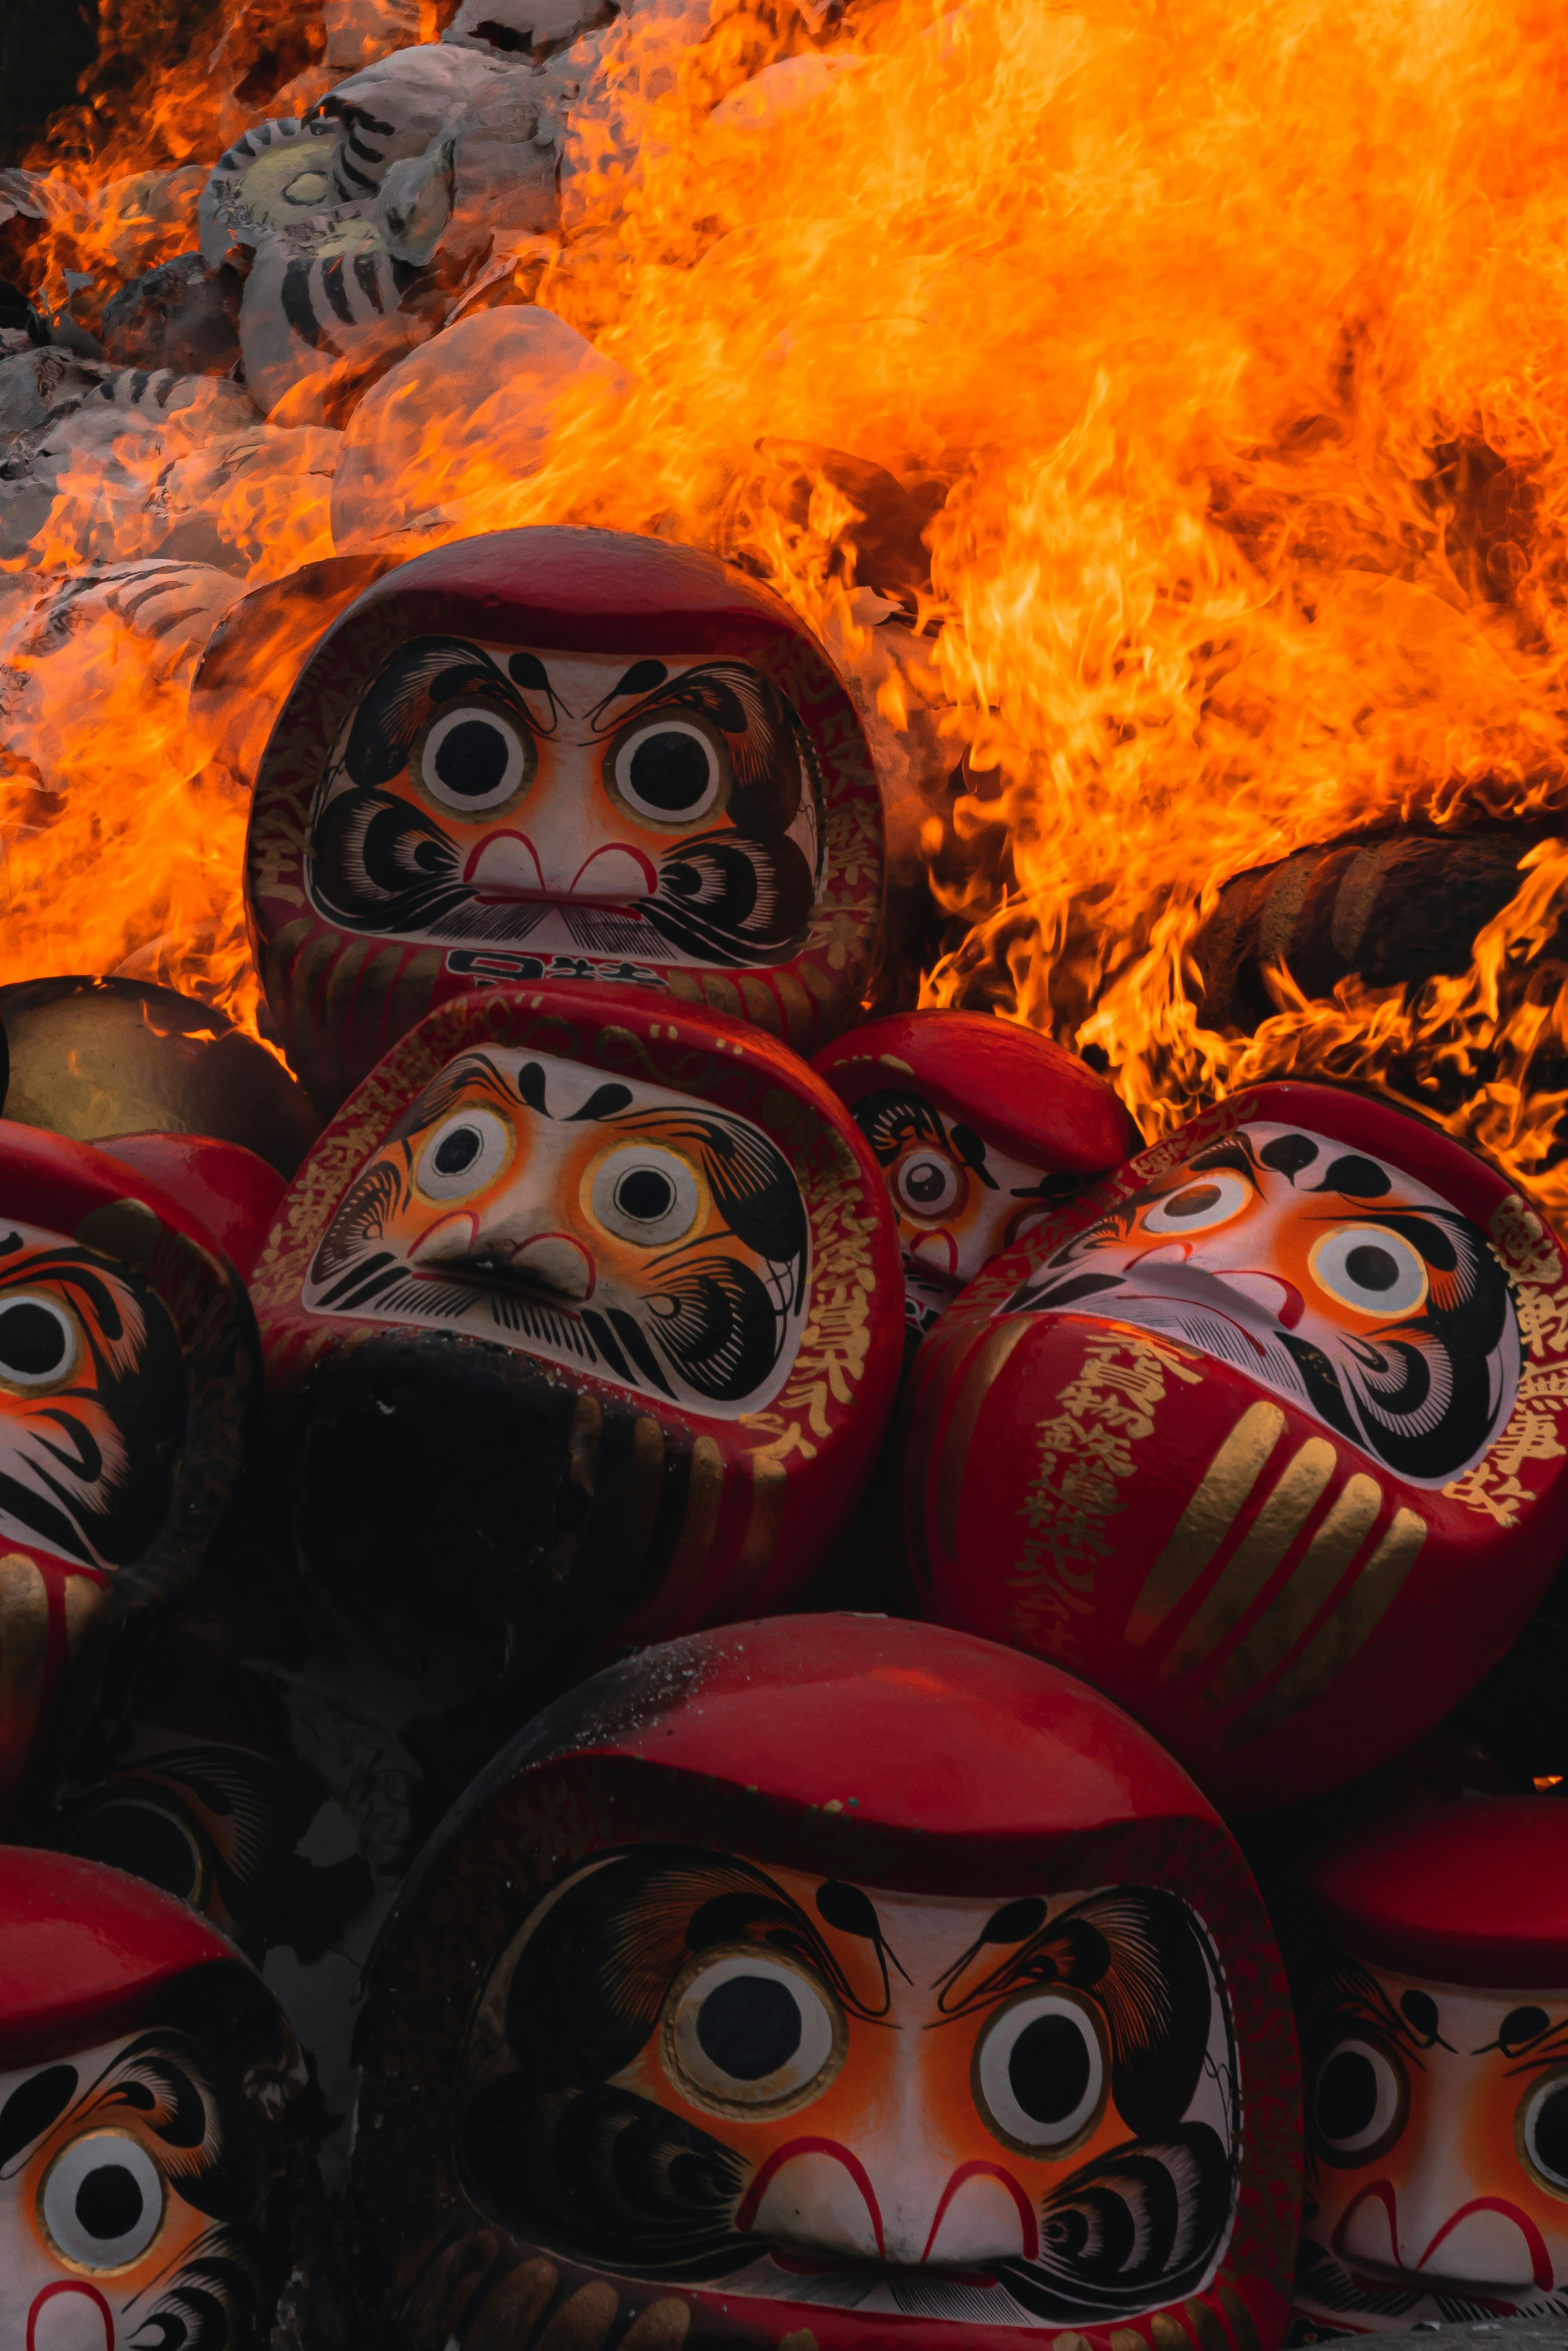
[{"x": 1237, "y": 339}]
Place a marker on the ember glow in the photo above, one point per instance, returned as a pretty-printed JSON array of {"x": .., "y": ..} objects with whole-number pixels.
[{"x": 1227, "y": 348}]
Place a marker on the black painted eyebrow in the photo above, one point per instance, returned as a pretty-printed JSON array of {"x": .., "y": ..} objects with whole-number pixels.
[{"x": 471, "y": 1074}]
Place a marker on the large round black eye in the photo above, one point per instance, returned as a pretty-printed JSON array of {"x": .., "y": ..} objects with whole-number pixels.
[
  {"x": 102, "y": 2200},
  {"x": 1375, "y": 1271},
  {"x": 473, "y": 759},
  {"x": 1199, "y": 1207},
  {"x": 749, "y": 2026},
  {"x": 745, "y": 2032},
  {"x": 927, "y": 1185},
  {"x": 644, "y": 1194},
  {"x": 1358, "y": 2100},
  {"x": 39, "y": 1342},
  {"x": 1040, "y": 2072},
  {"x": 467, "y": 1152},
  {"x": 1543, "y": 2131},
  {"x": 669, "y": 771}
]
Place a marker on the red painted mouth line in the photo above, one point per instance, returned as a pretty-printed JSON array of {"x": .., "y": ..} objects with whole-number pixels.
[
  {"x": 750, "y": 2201},
  {"x": 1381, "y": 2191},
  {"x": 980, "y": 2169}
]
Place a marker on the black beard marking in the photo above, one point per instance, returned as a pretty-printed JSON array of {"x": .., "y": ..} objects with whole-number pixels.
[
  {"x": 1140, "y": 2224},
  {"x": 723, "y": 898},
  {"x": 719, "y": 1325},
  {"x": 211, "y": 2303},
  {"x": 57, "y": 1485}
]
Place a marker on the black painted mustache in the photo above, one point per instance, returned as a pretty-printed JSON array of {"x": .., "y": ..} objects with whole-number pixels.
[{"x": 380, "y": 865}]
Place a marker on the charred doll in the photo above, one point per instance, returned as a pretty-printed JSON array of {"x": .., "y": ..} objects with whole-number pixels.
[
  {"x": 561, "y": 753},
  {"x": 581, "y": 1322},
  {"x": 1294, "y": 1395},
  {"x": 980, "y": 1128},
  {"x": 1433, "y": 2021},
  {"x": 149, "y": 2193},
  {"x": 819, "y": 1975},
  {"x": 127, "y": 1369}
]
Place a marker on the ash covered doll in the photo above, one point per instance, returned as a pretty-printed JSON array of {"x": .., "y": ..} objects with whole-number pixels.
[
  {"x": 1264, "y": 1435},
  {"x": 1434, "y": 2020},
  {"x": 149, "y": 2185},
  {"x": 562, "y": 753},
  {"x": 980, "y": 1128},
  {"x": 582, "y": 1320},
  {"x": 806, "y": 1980},
  {"x": 127, "y": 1369}
]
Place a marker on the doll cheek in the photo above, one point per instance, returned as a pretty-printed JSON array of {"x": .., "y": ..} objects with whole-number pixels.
[{"x": 70, "y": 2317}]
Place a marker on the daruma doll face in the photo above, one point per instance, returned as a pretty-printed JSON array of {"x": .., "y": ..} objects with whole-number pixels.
[
  {"x": 1328, "y": 1275},
  {"x": 1434, "y": 2022},
  {"x": 825, "y": 2080},
  {"x": 599, "y": 1222},
  {"x": 1437, "y": 2125}
]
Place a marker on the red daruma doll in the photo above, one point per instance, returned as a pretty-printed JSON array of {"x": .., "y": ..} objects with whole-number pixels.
[
  {"x": 980, "y": 1128},
  {"x": 126, "y": 1371},
  {"x": 151, "y": 2192},
  {"x": 583, "y": 1318},
  {"x": 1434, "y": 2019},
  {"x": 1264, "y": 1435},
  {"x": 836, "y": 1981},
  {"x": 562, "y": 753}
]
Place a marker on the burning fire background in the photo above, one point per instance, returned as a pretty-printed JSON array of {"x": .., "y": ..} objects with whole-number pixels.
[{"x": 1159, "y": 406}]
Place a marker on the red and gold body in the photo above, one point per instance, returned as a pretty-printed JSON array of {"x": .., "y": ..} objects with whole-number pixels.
[{"x": 1262, "y": 1435}]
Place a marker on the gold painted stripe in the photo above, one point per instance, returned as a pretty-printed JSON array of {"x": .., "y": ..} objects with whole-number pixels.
[
  {"x": 768, "y": 1484},
  {"x": 705, "y": 1493},
  {"x": 1205, "y": 2326},
  {"x": 1244, "y": 2331},
  {"x": 982, "y": 1369},
  {"x": 1127, "y": 2338},
  {"x": 1206, "y": 1520},
  {"x": 1330, "y": 1552},
  {"x": 915, "y": 1422},
  {"x": 1290, "y": 1501},
  {"x": 1353, "y": 1621},
  {"x": 1168, "y": 2332},
  {"x": 644, "y": 1487}
]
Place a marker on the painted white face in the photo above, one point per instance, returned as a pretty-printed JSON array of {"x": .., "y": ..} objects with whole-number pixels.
[
  {"x": 1325, "y": 1274},
  {"x": 99, "y": 2249},
  {"x": 604, "y": 1223},
  {"x": 1000, "y": 2110},
  {"x": 1437, "y": 2133},
  {"x": 958, "y": 1199},
  {"x": 93, "y": 1401},
  {"x": 582, "y": 804}
]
